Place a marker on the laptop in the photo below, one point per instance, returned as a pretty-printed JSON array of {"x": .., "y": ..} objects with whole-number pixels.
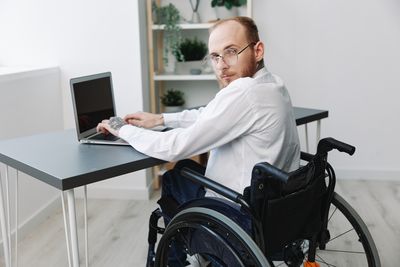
[{"x": 93, "y": 101}]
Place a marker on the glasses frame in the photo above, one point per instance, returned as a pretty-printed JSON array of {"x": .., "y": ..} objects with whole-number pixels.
[{"x": 219, "y": 56}]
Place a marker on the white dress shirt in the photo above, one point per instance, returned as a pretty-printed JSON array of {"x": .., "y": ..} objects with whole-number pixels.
[{"x": 249, "y": 121}]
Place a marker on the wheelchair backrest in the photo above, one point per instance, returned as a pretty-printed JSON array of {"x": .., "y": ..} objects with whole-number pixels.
[{"x": 288, "y": 209}]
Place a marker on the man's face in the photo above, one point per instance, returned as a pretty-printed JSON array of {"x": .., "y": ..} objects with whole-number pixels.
[{"x": 231, "y": 35}]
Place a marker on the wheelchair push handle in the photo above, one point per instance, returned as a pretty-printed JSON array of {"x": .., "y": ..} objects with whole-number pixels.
[
  {"x": 208, "y": 183},
  {"x": 327, "y": 144}
]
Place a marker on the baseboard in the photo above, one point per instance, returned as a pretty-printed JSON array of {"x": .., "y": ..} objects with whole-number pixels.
[
  {"x": 365, "y": 174},
  {"x": 30, "y": 224}
]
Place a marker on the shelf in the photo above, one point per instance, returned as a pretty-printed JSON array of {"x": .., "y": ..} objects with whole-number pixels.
[
  {"x": 185, "y": 26},
  {"x": 184, "y": 77}
]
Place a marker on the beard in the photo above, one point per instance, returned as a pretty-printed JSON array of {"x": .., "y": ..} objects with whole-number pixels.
[{"x": 248, "y": 71}]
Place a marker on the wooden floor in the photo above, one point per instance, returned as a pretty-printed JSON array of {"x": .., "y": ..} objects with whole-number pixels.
[{"x": 118, "y": 228}]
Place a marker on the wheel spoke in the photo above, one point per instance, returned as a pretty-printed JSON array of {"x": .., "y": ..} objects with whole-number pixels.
[
  {"x": 332, "y": 214},
  {"x": 323, "y": 261},
  {"x": 348, "y": 231},
  {"x": 344, "y": 251}
]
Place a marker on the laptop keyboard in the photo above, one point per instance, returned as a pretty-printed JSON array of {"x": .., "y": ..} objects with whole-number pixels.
[{"x": 101, "y": 136}]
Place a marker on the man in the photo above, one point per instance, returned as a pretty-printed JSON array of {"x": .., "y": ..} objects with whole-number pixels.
[{"x": 250, "y": 120}]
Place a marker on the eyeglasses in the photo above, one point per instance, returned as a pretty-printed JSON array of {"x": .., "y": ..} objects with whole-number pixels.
[{"x": 229, "y": 56}]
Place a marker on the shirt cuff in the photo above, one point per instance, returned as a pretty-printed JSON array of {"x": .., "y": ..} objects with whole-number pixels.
[
  {"x": 171, "y": 119},
  {"x": 127, "y": 132}
]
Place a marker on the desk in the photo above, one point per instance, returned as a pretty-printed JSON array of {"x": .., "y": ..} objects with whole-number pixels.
[
  {"x": 304, "y": 116},
  {"x": 60, "y": 161}
]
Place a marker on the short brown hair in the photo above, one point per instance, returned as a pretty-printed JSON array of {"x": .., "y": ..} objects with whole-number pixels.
[{"x": 246, "y": 22}]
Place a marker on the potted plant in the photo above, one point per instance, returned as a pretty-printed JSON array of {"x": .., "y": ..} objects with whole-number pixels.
[
  {"x": 191, "y": 54},
  {"x": 172, "y": 100},
  {"x": 222, "y": 6},
  {"x": 169, "y": 16}
]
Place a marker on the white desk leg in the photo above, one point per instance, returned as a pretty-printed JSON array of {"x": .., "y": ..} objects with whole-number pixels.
[
  {"x": 66, "y": 228},
  {"x": 306, "y": 131},
  {"x": 8, "y": 212},
  {"x": 4, "y": 230},
  {"x": 86, "y": 226},
  {"x": 318, "y": 131},
  {"x": 72, "y": 227},
  {"x": 16, "y": 220}
]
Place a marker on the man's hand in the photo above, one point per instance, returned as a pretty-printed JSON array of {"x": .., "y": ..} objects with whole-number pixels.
[
  {"x": 144, "y": 119},
  {"x": 111, "y": 126}
]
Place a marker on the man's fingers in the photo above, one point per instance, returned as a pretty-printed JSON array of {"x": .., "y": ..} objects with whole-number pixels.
[
  {"x": 102, "y": 127},
  {"x": 127, "y": 118},
  {"x": 135, "y": 122},
  {"x": 135, "y": 116}
]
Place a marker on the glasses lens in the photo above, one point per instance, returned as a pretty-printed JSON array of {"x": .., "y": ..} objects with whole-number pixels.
[
  {"x": 212, "y": 59},
  {"x": 230, "y": 57},
  {"x": 206, "y": 60}
]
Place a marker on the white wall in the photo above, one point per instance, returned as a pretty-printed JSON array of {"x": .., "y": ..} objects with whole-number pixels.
[
  {"x": 30, "y": 103},
  {"x": 82, "y": 37},
  {"x": 342, "y": 56}
]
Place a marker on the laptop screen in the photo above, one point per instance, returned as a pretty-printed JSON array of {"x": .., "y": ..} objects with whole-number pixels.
[{"x": 93, "y": 102}]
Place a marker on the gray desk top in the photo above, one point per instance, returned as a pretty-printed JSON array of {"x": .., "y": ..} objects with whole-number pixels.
[
  {"x": 59, "y": 160},
  {"x": 307, "y": 115}
]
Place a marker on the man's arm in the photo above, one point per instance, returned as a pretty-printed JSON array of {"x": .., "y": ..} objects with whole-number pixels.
[
  {"x": 144, "y": 119},
  {"x": 173, "y": 120},
  {"x": 182, "y": 119},
  {"x": 224, "y": 119}
]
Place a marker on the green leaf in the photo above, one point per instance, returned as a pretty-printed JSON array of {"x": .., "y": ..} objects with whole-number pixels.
[{"x": 173, "y": 98}]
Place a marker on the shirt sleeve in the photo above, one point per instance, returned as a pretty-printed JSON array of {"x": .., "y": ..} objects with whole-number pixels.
[
  {"x": 225, "y": 118},
  {"x": 181, "y": 119}
]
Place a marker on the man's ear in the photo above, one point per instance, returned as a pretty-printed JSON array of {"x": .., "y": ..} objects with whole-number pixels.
[{"x": 259, "y": 51}]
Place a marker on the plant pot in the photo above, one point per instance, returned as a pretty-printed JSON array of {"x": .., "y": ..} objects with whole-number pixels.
[
  {"x": 222, "y": 12},
  {"x": 189, "y": 67},
  {"x": 170, "y": 65},
  {"x": 172, "y": 109}
]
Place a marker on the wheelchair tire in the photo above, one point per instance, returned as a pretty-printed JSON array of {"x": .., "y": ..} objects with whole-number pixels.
[
  {"x": 229, "y": 240},
  {"x": 350, "y": 243}
]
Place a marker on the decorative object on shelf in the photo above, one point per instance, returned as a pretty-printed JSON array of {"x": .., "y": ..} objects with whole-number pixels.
[
  {"x": 169, "y": 16},
  {"x": 173, "y": 100},
  {"x": 193, "y": 51},
  {"x": 195, "y": 15},
  {"x": 227, "y": 8}
]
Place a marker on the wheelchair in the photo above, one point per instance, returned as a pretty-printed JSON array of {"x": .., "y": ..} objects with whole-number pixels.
[{"x": 293, "y": 219}]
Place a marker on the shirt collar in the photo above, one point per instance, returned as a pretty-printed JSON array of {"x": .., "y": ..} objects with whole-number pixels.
[{"x": 260, "y": 72}]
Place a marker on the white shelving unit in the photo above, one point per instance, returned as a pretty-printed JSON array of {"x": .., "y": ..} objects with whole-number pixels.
[
  {"x": 201, "y": 86},
  {"x": 160, "y": 80},
  {"x": 186, "y": 26},
  {"x": 184, "y": 77}
]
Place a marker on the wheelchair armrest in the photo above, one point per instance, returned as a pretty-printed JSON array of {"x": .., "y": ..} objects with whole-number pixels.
[
  {"x": 208, "y": 183},
  {"x": 264, "y": 169}
]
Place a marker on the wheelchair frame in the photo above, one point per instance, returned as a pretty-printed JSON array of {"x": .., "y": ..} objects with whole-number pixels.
[{"x": 270, "y": 181}]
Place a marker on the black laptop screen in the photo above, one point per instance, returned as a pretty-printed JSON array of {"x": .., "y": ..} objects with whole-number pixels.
[{"x": 94, "y": 102}]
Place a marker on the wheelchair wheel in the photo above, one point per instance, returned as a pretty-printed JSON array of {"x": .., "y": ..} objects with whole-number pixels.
[
  {"x": 208, "y": 235},
  {"x": 350, "y": 243}
]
